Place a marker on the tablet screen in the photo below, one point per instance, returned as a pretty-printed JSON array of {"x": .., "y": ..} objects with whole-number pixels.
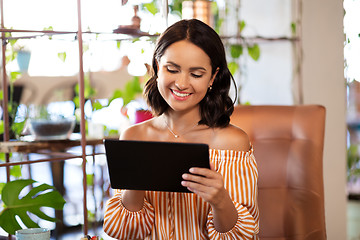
[{"x": 152, "y": 166}]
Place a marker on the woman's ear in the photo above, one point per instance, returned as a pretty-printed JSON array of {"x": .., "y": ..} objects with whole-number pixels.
[
  {"x": 157, "y": 65},
  {"x": 213, "y": 77}
]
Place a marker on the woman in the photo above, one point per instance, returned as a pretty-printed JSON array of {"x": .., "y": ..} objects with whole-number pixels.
[{"x": 188, "y": 94}]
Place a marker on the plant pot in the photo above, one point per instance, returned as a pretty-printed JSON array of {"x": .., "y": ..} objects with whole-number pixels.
[
  {"x": 142, "y": 115},
  {"x": 23, "y": 60}
]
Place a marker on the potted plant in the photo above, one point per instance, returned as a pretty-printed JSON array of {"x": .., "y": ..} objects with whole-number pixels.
[{"x": 15, "y": 203}]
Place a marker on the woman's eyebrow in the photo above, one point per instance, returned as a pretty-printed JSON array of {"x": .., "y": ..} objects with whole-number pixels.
[
  {"x": 174, "y": 64},
  {"x": 191, "y": 69},
  {"x": 198, "y": 68}
]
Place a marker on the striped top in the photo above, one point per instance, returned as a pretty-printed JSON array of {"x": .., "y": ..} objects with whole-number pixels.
[{"x": 172, "y": 215}]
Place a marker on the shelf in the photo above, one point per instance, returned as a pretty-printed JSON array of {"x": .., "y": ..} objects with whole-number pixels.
[
  {"x": 115, "y": 35},
  {"x": 53, "y": 145}
]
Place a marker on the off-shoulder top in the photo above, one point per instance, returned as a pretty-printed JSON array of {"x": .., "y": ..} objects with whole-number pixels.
[{"x": 171, "y": 215}]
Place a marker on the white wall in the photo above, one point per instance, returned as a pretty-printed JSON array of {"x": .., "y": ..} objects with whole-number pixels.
[{"x": 324, "y": 83}]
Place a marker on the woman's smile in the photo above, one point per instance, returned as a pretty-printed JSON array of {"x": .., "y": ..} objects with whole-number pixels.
[{"x": 181, "y": 96}]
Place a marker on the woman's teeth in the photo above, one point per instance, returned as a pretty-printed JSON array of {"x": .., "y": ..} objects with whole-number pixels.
[{"x": 181, "y": 94}]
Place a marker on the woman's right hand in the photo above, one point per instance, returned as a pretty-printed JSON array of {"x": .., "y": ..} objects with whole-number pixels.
[{"x": 133, "y": 200}]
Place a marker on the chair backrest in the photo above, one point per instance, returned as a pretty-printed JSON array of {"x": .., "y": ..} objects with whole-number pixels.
[{"x": 288, "y": 146}]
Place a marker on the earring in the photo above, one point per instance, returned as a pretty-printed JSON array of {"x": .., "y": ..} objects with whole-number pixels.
[{"x": 210, "y": 87}]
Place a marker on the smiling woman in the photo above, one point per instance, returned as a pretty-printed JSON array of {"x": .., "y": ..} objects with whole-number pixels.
[{"x": 189, "y": 95}]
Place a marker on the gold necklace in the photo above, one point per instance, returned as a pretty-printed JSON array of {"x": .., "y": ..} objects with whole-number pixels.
[{"x": 177, "y": 135}]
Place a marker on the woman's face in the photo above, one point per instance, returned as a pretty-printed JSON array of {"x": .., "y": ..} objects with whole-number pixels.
[{"x": 184, "y": 75}]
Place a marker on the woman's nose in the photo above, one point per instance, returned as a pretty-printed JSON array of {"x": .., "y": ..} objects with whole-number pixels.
[{"x": 182, "y": 82}]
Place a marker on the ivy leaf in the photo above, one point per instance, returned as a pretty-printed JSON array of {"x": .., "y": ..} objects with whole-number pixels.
[
  {"x": 113, "y": 132},
  {"x": 241, "y": 25},
  {"x": 97, "y": 105},
  {"x": 41, "y": 196},
  {"x": 86, "y": 47},
  {"x": 62, "y": 56},
  {"x": 15, "y": 171},
  {"x": 50, "y": 28},
  {"x": 151, "y": 7},
  {"x": 135, "y": 40},
  {"x": 14, "y": 76},
  {"x": 233, "y": 67},
  {"x": 116, "y": 94},
  {"x": 90, "y": 179},
  {"x": 17, "y": 127},
  {"x": 236, "y": 50},
  {"x": 2, "y": 159},
  {"x": 1, "y": 126},
  {"x": 293, "y": 28},
  {"x": 254, "y": 52},
  {"x": 76, "y": 101}
]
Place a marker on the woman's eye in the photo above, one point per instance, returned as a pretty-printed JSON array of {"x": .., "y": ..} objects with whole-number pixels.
[
  {"x": 196, "y": 75},
  {"x": 172, "y": 70}
]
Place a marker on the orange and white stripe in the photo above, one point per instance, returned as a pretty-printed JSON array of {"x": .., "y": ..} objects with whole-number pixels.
[{"x": 170, "y": 215}]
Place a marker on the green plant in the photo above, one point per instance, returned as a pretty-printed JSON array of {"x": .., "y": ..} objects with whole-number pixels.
[
  {"x": 353, "y": 162},
  {"x": 37, "y": 197},
  {"x": 236, "y": 50},
  {"x": 129, "y": 93}
]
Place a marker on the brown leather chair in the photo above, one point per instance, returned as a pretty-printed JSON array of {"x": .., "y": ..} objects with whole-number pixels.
[{"x": 288, "y": 146}]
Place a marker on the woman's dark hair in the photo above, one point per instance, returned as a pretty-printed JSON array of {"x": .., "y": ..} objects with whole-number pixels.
[{"x": 216, "y": 107}]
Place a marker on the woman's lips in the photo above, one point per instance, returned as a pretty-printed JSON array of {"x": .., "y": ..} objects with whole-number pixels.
[{"x": 180, "y": 95}]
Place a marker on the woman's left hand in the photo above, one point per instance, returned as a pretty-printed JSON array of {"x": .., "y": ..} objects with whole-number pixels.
[{"x": 207, "y": 183}]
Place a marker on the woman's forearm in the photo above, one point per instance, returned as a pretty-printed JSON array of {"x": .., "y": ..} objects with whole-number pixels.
[
  {"x": 225, "y": 215},
  {"x": 133, "y": 200}
]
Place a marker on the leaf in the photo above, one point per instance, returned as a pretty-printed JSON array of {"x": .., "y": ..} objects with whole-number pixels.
[
  {"x": 15, "y": 171},
  {"x": 151, "y": 7},
  {"x": 1, "y": 126},
  {"x": 90, "y": 179},
  {"x": 2, "y": 185},
  {"x": 113, "y": 132},
  {"x": 2, "y": 158},
  {"x": 293, "y": 28},
  {"x": 241, "y": 25},
  {"x": 50, "y": 28},
  {"x": 86, "y": 47},
  {"x": 233, "y": 67},
  {"x": 62, "y": 56},
  {"x": 96, "y": 105},
  {"x": 254, "y": 52},
  {"x": 17, "y": 127},
  {"x": 14, "y": 76},
  {"x": 135, "y": 40},
  {"x": 236, "y": 50},
  {"x": 118, "y": 44},
  {"x": 76, "y": 101},
  {"x": 116, "y": 94},
  {"x": 41, "y": 196}
]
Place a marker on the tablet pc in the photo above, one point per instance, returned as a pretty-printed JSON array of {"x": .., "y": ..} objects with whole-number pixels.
[{"x": 152, "y": 166}]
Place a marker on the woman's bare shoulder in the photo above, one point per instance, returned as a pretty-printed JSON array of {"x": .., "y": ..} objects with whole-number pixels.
[
  {"x": 136, "y": 131},
  {"x": 231, "y": 138}
]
